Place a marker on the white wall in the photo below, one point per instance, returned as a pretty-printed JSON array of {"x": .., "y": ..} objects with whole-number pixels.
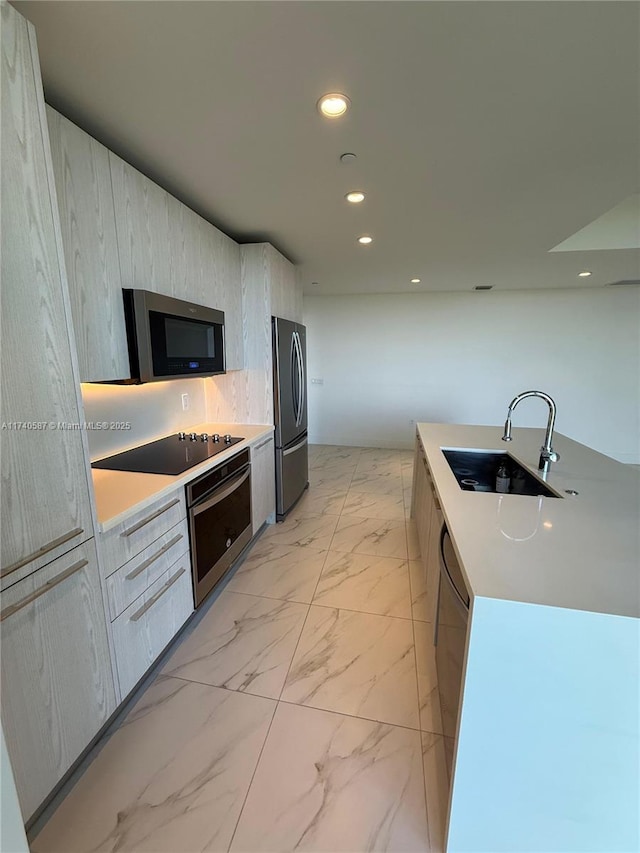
[{"x": 460, "y": 358}]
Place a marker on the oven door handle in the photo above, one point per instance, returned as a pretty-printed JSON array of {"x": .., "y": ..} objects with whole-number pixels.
[{"x": 218, "y": 496}]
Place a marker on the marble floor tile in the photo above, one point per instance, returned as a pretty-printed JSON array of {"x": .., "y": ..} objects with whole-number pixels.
[
  {"x": 365, "y": 583},
  {"x": 413, "y": 543},
  {"x": 173, "y": 777},
  {"x": 373, "y": 467},
  {"x": 370, "y": 536},
  {"x": 380, "y": 454},
  {"x": 243, "y": 643},
  {"x": 436, "y": 783},
  {"x": 337, "y": 479},
  {"x": 343, "y": 452},
  {"x": 313, "y": 531},
  {"x": 357, "y": 664},
  {"x": 319, "y": 500},
  {"x": 423, "y": 591},
  {"x": 430, "y": 719},
  {"x": 386, "y": 483},
  {"x": 373, "y": 505},
  {"x": 331, "y": 783},
  {"x": 288, "y": 572}
]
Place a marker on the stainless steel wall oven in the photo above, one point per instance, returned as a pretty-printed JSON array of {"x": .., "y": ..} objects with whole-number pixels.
[{"x": 219, "y": 512}]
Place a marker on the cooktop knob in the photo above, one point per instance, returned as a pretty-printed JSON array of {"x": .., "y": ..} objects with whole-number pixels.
[
  {"x": 182, "y": 436},
  {"x": 227, "y": 439},
  {"x": 193, "y": 436},
  {"x": 204, "y": 436},
  {"x": 216, "y": 437}
]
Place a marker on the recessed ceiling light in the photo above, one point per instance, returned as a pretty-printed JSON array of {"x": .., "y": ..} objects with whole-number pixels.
[
  {"x": 365, "y": 239},
  {"x": 314, "y": 283},
  {"x": 584, "y": 274},
  {"x": 483, "y": 287},
  {"x": 415, "y": 281},
  {"x": 355, "y": 197},
  {"x": 347, "y": 157},
  {"x": 333, "y": 105}
]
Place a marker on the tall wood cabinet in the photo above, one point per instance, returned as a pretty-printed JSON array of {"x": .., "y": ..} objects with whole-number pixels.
[
  {"x": 88, "y": 223},
  {"x": 57, "y": 680},
  {"x": 45, "y": 489},
  {"x": 57, "y": 685}
]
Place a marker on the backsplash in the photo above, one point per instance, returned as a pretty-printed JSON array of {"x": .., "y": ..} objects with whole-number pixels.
[{"x": 153, "y": 410}]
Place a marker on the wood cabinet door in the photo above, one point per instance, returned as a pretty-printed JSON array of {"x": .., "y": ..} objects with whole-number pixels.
[
  {"x": 45, "y": 489},
  {"x": 142, "y": 227},
  {"x": 88, "y": 223},
  {"x": 57, "y": 681},
  {"x": 263, "y": 483}
]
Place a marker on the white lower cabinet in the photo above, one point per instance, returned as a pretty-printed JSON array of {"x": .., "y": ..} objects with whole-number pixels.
[
  {"x": 147, "y": 626},
  {"x": 263, "y": 483},
  {"x": 57, "y": 680},
  {"x": 136, "y": 576}
]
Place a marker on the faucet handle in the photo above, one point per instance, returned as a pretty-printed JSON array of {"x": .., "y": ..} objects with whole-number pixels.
[{"x": 549, "y": 455}]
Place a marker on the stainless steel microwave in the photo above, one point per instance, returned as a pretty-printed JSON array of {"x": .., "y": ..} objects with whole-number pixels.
[{"x": 172, "y": 339}]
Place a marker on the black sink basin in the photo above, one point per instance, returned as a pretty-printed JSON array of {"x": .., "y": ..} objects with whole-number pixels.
[{"x": 475, "y": 471}]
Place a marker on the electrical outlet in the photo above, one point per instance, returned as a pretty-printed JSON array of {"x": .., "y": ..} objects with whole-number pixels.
[
  {"x": 186, "y": 402},
  {"x": 317, "y": 381}
]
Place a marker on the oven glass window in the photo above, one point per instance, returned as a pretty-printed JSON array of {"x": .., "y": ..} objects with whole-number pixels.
[{"x": 217, "y": 528}]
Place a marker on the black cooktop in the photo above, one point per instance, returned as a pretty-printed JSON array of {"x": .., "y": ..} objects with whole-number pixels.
[{"x": 171, "y": 455}]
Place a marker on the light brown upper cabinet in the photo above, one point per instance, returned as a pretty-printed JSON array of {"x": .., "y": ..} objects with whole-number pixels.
[
  {"x": 45, "y": 488},
  {"x": 88, "y": 222}
]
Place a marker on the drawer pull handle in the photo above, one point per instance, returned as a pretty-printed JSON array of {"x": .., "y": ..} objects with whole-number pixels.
[
  {"x": 49, "y": 585},
  {"x": 140, "y": 613},
  {"x": 146, "y": 521},
  {"x": 44, "y": 550},
  {"x": 263, "y": 443},
  {"x": 139, "y": 569}
]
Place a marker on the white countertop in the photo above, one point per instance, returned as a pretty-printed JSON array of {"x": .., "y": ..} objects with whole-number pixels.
[
  {"x": 119, "y": 494},
  {"x": 579, "y": 552}
]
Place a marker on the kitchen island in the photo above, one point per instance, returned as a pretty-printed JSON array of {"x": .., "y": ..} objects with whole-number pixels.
[{"x": 547, "y": 755}]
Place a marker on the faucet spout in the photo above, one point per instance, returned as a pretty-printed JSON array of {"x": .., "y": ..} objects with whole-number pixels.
[{"x": 547, "y": 453}]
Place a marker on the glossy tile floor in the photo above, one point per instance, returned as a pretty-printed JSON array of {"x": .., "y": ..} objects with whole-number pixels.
[{"x": 301, "y": 712}]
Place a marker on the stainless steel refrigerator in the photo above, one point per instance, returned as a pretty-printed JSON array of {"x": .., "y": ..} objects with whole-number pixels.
[{"x": 290, "y": 412}]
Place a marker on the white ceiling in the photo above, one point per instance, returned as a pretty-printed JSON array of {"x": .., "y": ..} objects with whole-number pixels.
[{"x": 486, "y": 133}]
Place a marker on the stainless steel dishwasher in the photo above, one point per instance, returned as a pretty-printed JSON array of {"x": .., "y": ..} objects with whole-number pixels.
[{"x": 452, "y": 616}]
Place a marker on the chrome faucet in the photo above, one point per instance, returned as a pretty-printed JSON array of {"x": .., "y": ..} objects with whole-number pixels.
[{"x": 547, "y": 453}]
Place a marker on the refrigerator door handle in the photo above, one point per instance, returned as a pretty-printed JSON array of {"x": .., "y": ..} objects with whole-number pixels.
[
  {"x": 295, "y": 447},
  {"x": 299, "y": 371},
  {"x": 301, "y": 366},
  {"x": 294, "y": 375}
]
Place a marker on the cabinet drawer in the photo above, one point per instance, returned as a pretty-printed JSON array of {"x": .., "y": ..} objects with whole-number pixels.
[
  {"x": 136, "y": 576},
  {"x": 143, "y": 630},
  {"x": 132, "y": 536}
]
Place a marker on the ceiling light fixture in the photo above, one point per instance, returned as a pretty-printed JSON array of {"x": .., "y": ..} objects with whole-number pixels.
[
  {"x": 365, "y": 239},
  {"x": 355, "y": 197},
  {"x": 333, "y": 105},
  {"x": 347, "y": 157},
  {"x": 415, "y": 281},
  {"x": 584, "y": 274},
  {"x": 483, "y": 287}
]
